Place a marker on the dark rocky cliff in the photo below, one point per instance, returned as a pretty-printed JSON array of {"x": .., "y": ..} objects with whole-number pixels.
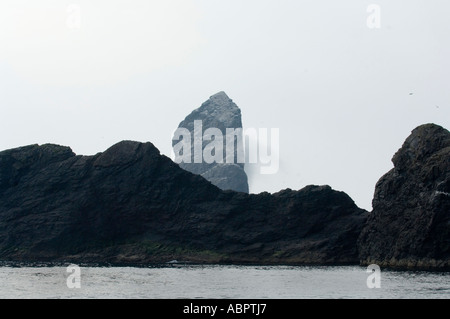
[
  {"x": 132, "y": 205},
  {"x": 409, "y": 226}
]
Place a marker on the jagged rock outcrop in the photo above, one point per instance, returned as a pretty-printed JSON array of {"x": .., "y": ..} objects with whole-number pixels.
[
  {"x": 409, "y": 226},
  {"x": 222, "y": 113},
  {"x": 132, "y": 205}
]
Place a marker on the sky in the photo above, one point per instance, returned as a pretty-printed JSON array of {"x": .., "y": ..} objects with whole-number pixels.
[{"x": 344, "y": 85}]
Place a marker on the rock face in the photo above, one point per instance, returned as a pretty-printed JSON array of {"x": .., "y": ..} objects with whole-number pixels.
[
  {"x": 132, "y": 205},
  {"x": 409, "y": 226},
  {"x": 221, "y": 113}
]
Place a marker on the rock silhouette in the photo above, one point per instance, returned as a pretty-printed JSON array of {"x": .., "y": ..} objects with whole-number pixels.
[
  {"x": 132, "y": 205},
  {"x": 409, "y": 226}
]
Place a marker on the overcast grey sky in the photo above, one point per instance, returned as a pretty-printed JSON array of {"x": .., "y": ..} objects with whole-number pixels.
[{"x": 89, "y": 74}]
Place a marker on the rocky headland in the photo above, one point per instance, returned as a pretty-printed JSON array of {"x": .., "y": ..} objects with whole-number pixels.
[
  {"x": 409, "y": 226},
  {"x": 132, "y": 205}
]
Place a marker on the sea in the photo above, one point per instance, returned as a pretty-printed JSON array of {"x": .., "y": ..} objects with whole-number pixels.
[{"x": 185, "y": 281}]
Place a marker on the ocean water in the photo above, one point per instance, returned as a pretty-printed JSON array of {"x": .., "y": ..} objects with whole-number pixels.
[{"x": 216, "y": 282}]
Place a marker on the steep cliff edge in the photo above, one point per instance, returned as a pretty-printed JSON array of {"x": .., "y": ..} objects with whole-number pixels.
[{"x": 409, "y": 226}]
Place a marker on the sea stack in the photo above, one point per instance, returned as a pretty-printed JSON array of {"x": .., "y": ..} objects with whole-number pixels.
[
  {"x": 219, "y": 113},
  {"x": 409, "y": 226}
]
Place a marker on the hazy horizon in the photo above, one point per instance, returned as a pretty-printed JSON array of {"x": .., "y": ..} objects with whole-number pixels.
[{"x": 343, "y": 95}]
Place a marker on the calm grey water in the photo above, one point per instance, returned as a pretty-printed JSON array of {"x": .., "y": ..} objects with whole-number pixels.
[{"x": 235, "y": 282}]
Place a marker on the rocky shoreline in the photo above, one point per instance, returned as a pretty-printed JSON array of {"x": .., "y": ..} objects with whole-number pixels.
[
  {"x": 409, "y": 226},
  {"x": 131, "y": 205}
]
